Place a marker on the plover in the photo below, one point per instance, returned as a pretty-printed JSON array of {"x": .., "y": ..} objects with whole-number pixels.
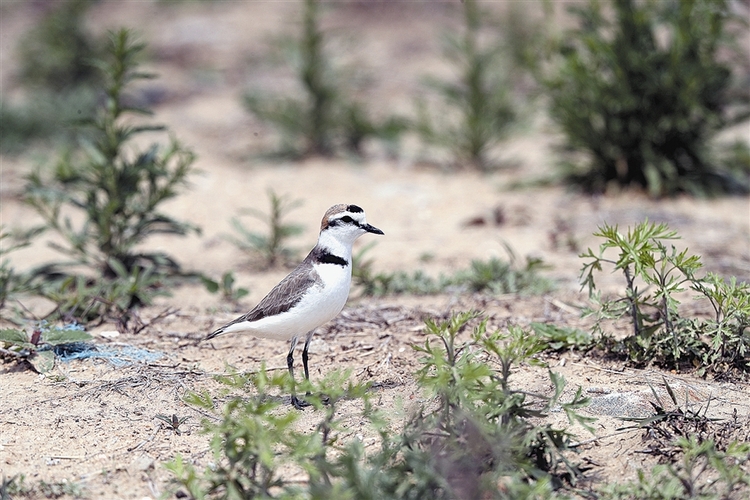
[{"x": 314, "y": 293}]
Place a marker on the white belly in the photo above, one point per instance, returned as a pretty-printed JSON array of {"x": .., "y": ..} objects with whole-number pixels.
[{"x": 322, "y": 303}]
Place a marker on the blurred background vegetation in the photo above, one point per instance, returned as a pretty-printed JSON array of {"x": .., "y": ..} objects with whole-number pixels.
[{"x": 639, "y": 92}]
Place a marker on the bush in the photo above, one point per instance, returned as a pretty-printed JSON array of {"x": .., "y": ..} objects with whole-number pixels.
[
  {"x": 58, "y": 77},
  {"x": 57, "y": 53},
  {"x": 654, "y": 275},
  {"x": 645, "y": 107},
  {"x": 117, "y": 190},
  {"x": 479, "y": 102},
  {"x": 327, "y": 119},
  {"x": 474, "y": 433}
]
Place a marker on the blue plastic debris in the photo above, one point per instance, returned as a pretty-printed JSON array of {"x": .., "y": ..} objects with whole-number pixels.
[{"x": 117, "y": 355}]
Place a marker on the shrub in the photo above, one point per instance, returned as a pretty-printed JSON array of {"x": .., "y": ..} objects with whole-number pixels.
[
  {"x": 57, "y": 75},
  {"x": 645, "y": 107},
  {"x": 118, "y": 191},
  {"x": 654, "y": 275},
  {"x": 474, "y": 433},
  {"x": 327, "y": 119},
  {"x": 477, "y": 110}
]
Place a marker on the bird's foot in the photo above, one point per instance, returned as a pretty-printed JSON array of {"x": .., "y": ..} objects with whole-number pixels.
[{"x": 300, "y": 404}]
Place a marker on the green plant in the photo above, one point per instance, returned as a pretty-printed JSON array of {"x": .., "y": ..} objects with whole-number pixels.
[
  {"x": 704, "y": 472},
  {"x": 118, "y": 191},
  {"x": 57, "y": 75},
  {"x": 226, "y": 286},
  {"x": 654, "y": 275},
  {"x": 271, "y": 247},
  {"x": 326, "y": 119},
  {"x": 19, "y": 488},
  {"x": 479, "y": 101},
  {"x": 643, "y": 94},
  {"x": 39, "y": 349},
  {"x": 253, "y": 438},
  {"x": 173, "y": 422},
  {"x": 83, "y": 299},
  {"x": 493, "y": 276},
  {"x": 562, "y": 338},
  {"x": 473, "y": 433}
]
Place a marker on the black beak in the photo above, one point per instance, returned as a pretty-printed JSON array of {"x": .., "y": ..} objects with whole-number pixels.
[{"x": 371, "y": 229}]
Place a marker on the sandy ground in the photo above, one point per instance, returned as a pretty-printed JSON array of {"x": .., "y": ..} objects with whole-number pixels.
[{"x": 95, "y": 424}]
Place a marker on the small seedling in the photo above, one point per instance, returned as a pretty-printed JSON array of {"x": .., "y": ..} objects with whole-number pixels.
[
  {"x": 562, "y": 338},
  {"x": 271, "y": 247},
  {"x": 226, "y": 286},
  {"x": 173, "y": 423}
]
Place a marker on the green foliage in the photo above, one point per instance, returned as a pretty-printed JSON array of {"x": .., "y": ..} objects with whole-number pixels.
[
  {"x": 704, "y": 472},
  {"x": 39, "y": 349},
  {"x": 493, "y": 276},
  {"x": 82, "y": 299},
  {"x": 561, "y": 338},
  {"x": 476, "y": 434},
  {"x": 654, "y": 274},
  {"x": 17, "y": 487},
  {"x": 643, "y": 94},
  {"x": 479, "y": 102},
  {"x": 226, "y": 286},
  {"x": 57, "y": 53},
  {"x": 118, "y": 191},
  {"x": 57, "y": 75},
  {"x": 326, "y": 119},
  {"x": 271, "y": 247}
]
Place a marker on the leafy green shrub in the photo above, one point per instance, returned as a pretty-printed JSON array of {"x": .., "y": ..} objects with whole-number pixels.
[
  {"x": 654, "y": 274},
  {"x": 84, "y": 299},
  {"x": 704, "y": 472},
  {"x": 117, "y": 190},
  {"x": 57, "y": 53},
  {"x": 272, "y": 248},
  {"x": 39, "y": 349},
  {"x": 326, "y": 119},
  {"x": 474, "y": 433},
  {"x": 57, "y": 75},
  {"x": 645, "y": 107},
  {"x": 479, "y": 102}
]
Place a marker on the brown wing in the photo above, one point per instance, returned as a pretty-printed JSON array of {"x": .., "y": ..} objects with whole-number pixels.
[{"x": 281, "y": 298}]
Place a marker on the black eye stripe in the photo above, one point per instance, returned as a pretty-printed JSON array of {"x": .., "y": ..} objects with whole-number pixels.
[{"x": 347, "y": 219}]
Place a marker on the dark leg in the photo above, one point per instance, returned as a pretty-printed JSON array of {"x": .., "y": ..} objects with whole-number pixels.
[
  {"x": 304, "y": 362},
  {"x": 304, "y": 355},
  {"x": 297, "y": 403}
]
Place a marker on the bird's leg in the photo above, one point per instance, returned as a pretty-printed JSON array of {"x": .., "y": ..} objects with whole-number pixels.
[
  {"x": 304, "y": 355},
  {"x": 304, "y": 363},
  {"x": 297, "y": 403}
]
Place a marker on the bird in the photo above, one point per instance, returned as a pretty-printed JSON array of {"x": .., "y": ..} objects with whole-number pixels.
[{"x": 313, "y": 293}]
